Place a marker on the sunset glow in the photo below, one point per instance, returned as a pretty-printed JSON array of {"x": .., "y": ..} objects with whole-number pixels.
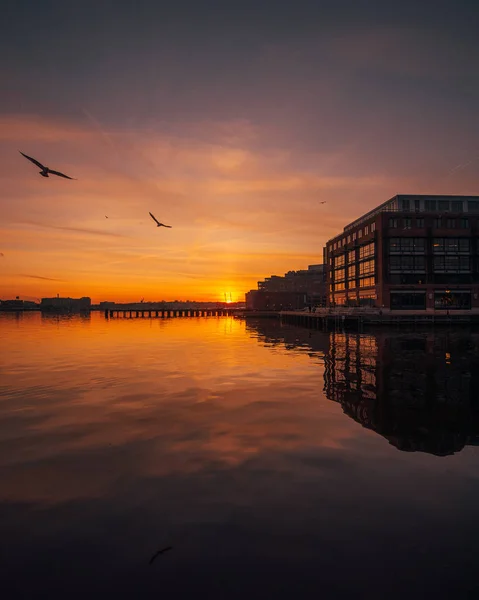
[{"x": 237, "y": 165}]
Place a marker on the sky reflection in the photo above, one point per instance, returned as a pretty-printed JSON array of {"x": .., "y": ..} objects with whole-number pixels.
[{"x": 216, "y": 437}]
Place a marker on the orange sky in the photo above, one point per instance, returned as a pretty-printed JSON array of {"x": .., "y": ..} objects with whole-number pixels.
[{"x": 238, "y": 214}]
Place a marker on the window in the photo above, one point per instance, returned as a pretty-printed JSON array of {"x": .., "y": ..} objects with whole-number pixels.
[
  {"x": 405, "y": 264},
  {"x": 352, "y": 272},
  {"x": 437, "y": 222},
  {"x": 408, "y": 300},
  {"x": 420, "y": 223},
  {"x": 366, "y": 282},
  {"x": 430, "y": 205},
  {"x": 344, "y": 241},
  {"x": 349, "y": 239},
  {"x": 451, "y": 245},
  {"x": 366, "y": 230},
  {"x": 334, "y": 245},
  {"x": 473, "y": 206},
  {"x": 354, "y": 236},
  {"x": 451, "y": 223},
  {"x": 366, "y": 268},
  {"x": 456, "y": 206},
  {"x": 393, "y": 223},
  {"x": 452, "y": 299},
  {"x": 405, "y": 204},
  {"x": 351, "y": 256},
  {"x": 407, "y": 223},
  {"x": 339, "y": 286},
  {"x": 417, "y": 205},
  {"x": 360, "y": 234},
  {"x": 339, "y": 261},
  {"x": 452, "y": 264},
  {"x": 408, "y": 245},
  {"x": 464, "y": 223},
  {"x": 443, "y": 205},
  {"x": 339, "y": 275},
  {"x": 339, "y": 243},
  {"x": 373, "y": 227},
  {"x": 366, "y": 251}
]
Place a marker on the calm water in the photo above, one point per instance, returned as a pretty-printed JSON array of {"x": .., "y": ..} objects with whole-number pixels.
[{"x": 277, "y": 462}]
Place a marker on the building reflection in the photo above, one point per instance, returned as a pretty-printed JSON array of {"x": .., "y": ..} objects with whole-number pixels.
[{"x": 419, "y": 390}]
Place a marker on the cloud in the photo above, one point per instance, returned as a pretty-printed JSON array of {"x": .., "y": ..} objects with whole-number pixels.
[{"x": 40, "y": 277}]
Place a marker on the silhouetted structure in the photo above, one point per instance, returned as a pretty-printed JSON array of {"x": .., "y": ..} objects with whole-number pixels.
[
  {"x": 294, "y": 290},
  {"x": 66, "y": 304},
  {"x": 411, "y": 252}
]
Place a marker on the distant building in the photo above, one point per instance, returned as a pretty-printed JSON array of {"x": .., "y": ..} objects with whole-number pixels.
[
  {"x": 411, "y": 252},
  {"x": 66, "y": 304},
  {"x": 296, "y": 289},
  {"x": 261, "y": 300},
  {"x": 9, "y": 305}
]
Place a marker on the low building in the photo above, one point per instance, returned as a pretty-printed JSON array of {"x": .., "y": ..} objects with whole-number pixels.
[
  {"x": 66, "y": 304},
  {"x": 295, "y": 289},
  {"x": 411, "y": 252},
  {"x": 261, "y": 300}
]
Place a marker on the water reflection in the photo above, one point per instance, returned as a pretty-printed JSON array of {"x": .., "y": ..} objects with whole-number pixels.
[
  {"x": 219, "y": 438},
  {"x": 419, "y": 390}
]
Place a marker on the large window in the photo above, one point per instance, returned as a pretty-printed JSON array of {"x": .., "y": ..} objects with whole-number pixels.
[
  {"x": 407, "y": 245},
  {"x": 351, "y": 256},
  {"x": 456, "y": 206},
  {"x": 366, "y": 268},
  {"x": 366, "y": 282},
  {"x": 339, "y": 261},
  {"x": 367, "y": 300},
  {"x": 451, "y": 245},
  {"x": 340, "y": 275},
  {"x": 399, "y": 264},
  {"x": 430, "y": 204},
  {"x": 339, "y": 286},
  {"x": 366, "y": 251},
  {"x": 452, "y": 299},
  {"x": 452, "y": 264},
  {"x": 352, "y": 272},
  {"x": 473, "y": 206},
  {"x": 408, "y": 300}
]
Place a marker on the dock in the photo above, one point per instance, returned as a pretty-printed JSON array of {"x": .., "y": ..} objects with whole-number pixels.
[{"x": 357, "y": 319}]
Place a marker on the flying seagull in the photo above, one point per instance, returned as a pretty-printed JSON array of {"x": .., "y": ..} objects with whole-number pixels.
[
  {"x": 45, "y": 170},
  {"x": 324, "y": 202},
  {"x": 158, "y": 224},
  {"x": 160, "y": 552}
]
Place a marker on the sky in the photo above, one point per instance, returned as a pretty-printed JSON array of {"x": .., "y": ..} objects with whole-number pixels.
[{"x": 231, "y": 122}]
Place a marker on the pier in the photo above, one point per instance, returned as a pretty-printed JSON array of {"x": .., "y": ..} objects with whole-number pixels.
[
  {"x": 129, "y": 313},
  {"x": 357, "y": 319}
]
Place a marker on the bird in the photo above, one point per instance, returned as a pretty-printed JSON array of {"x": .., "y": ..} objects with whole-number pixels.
[
  {"x": 158, "y": 224},
  {"x": 45, "y": 170},
  {"x": 106, "y": 217},
  {"x": 160, "y": 552},
  {"x": 324, "y": 202}
]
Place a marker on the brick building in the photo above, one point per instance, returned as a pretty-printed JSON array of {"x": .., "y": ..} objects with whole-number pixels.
[
  {"x": 296, "y": 289},
  {"x": 411, "y": 252}
]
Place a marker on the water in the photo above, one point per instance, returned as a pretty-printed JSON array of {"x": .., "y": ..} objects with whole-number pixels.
[{"x": 277, "y": 462}]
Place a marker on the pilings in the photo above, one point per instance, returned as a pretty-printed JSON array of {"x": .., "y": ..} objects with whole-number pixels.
[{"x": 127, "y": 313}]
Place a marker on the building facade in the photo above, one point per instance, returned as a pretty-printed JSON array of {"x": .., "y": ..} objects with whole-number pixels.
[
  {"x": 410, "y": 253},
  {"x": 66, "y": 304},
  {"x": 295, "y": 289}
]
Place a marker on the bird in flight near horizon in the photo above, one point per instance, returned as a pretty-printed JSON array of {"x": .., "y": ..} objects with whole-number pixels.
[
  {"x": 158, "y": 224},
  {"x": 323, "y": 202},
  {"x": 45, "y": 170}
]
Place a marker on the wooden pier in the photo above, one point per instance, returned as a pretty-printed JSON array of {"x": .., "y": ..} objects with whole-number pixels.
[{"x": 135, "y": 313}]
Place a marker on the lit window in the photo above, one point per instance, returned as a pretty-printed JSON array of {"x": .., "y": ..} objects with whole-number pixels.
[
  {"x": 354, "y": 236},
  {"x": 360, "y": 234},
  {"x": 366, "y": 230},
  {"x": 373, "y": 227}
]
